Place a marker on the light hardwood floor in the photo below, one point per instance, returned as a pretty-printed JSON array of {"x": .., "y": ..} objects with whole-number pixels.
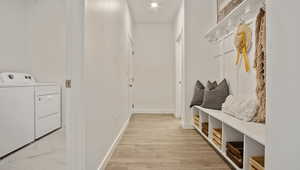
[{"x": 157, "y": 142}]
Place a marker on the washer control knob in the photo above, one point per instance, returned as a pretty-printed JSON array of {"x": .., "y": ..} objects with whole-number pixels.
[{"x": 11, "y": 76}]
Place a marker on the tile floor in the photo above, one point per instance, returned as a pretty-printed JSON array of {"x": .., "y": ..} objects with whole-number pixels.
[{"x": 47, "y": 153}]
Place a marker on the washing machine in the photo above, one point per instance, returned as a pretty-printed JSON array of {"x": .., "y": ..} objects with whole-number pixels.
[
  {"x": 28, "y": 110},
  {"x": 17, "y": 116}
]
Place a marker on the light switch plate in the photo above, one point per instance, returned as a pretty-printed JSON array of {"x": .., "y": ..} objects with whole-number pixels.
[{"x": 68, "y": 83}]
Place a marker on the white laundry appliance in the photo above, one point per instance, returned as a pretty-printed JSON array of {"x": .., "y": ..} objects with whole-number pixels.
[
  {"x": 47, "y": 108},
  {"x": 28, "y": 110}
]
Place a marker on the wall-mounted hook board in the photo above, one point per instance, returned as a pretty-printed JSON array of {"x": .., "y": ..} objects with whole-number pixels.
[{"x": 245, "y": 11}]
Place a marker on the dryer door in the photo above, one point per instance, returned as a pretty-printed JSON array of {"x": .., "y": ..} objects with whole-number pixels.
[
  {"x": 47, "y": 105},
  {"x": 48, "y": 110}
]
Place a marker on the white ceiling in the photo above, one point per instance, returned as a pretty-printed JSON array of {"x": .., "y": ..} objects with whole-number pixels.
[{"x": 142, "y": 13}]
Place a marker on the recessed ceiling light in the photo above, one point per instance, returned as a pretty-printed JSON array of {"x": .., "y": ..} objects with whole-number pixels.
[{"x": 154, "y": 5}]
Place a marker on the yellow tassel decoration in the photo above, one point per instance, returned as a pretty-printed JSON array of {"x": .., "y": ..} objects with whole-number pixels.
[{"x": 242, "y": 46}]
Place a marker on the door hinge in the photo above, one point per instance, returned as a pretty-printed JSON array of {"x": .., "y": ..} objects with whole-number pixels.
[{"x": 68, "y": 83}]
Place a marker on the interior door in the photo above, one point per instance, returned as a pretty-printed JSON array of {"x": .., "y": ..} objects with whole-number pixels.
[
  {"x": 179, "y": 77},
  {"x": 75, "y": 124},
  {"x": 130, "y": 76}
]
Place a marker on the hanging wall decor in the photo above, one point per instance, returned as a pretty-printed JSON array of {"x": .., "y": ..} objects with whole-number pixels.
[
  {"x": 260, "y": 65},
  {"x": 242, "y": 44},
  {"x": 224, "y": 7}
]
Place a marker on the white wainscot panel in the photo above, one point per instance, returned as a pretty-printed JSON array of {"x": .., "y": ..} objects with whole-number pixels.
[
  {"x": 229, "y": 43},
  {"x": 230, "y": 72},
  {"x": 217, "y": 49},
  {"x": 247, "y": 81}
]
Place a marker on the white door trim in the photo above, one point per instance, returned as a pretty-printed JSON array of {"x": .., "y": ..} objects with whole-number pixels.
[
  {"x": 130, "y": 74},
  {"x": 180, "y": 36},
  {"x": 180, "y": 73},
  {"x": 75, "y": 120}
]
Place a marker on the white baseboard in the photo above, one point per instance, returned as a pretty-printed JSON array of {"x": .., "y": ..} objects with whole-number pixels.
[
  {"x": 154, "y": 111},
  {"x": 112, "y": 148},
  {"x": 177, "y": 116}
]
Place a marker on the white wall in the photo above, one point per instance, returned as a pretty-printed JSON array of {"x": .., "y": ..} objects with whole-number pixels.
[
  {"x": 33, "y": 38},
  {"x": 105, "y": 78},
  {"x": 46, "y": 41},
  {"x": 283, "y": 83},
  {"x": 199, "y": 61},
  {"x": 154, "y": 87},
  {"x": 13, "y": 51}
]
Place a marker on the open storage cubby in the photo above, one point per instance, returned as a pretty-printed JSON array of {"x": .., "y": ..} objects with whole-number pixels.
[
  {"x": 214, "y": 127},
  {"x": 247, "y": 139},
  {"x": 233, "y": 145},
  {"x": 204, "y": 123},
  {"x": 231, "y": 135},
  {"x": 196, "y": 118},
  {"x": 252, "y": 149},
  {"x": 204, "y": 116}
]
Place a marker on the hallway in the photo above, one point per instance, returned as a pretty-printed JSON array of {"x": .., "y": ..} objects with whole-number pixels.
[{"x": 157, "y": 142}]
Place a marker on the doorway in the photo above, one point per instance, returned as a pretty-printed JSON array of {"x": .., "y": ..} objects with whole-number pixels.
[
  {"x": 130, "y": 75},
  {"x": 179, "y": 76}
]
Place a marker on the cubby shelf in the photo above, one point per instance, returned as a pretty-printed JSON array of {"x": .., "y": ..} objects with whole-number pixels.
[
  {"x": 246, "y": 10},
  {"x": 217, "y": 148},
  {"x": 252, "y": 134},
  {"x": 255, "y": 131}
]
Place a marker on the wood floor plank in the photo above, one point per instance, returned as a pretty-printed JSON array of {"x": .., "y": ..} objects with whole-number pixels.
[{"x": 157, "y": 142}]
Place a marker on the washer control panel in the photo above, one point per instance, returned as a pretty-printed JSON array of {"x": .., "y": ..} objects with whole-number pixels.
[{"x": 16, "y": 78}]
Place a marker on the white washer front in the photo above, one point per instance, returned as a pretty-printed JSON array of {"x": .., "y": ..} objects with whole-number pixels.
[
  {"x": 16, "y": 118},
  {"x": 16, "y": 111}
]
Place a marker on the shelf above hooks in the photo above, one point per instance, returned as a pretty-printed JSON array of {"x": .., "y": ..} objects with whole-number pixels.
[{"x": 245, "y": 11}]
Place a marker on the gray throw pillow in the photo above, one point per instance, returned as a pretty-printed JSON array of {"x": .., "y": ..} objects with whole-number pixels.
[
  {"x": 211, "y": 85},
  {"x": 198, "y": 94},
  {"x": 213, "y": 99}
]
